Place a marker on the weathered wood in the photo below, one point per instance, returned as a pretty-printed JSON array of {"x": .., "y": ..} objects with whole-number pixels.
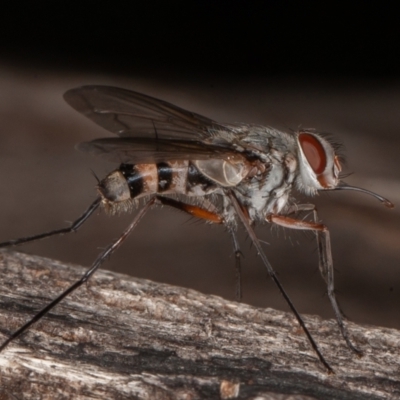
[{"x": 124, "y": 338}]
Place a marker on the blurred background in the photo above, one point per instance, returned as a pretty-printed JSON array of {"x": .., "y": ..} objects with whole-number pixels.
[{"x": 270, "y": 63}]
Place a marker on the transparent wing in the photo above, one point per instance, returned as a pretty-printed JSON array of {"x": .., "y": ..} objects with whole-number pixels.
[
  {"x": 131, "y": 150},
  {"x": 131, "y": 114}
]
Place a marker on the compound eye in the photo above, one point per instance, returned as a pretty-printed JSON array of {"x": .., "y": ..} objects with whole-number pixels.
[{"x": 314, "y": 152}]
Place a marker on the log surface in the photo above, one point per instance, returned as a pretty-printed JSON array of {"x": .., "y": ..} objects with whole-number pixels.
[{"x": 124, "y": 338}]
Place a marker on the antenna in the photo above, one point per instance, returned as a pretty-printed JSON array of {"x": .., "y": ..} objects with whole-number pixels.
[{"x": 345, "y": 186}]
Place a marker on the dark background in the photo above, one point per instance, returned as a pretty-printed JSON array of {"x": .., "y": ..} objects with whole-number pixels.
[
  {"x": 230, "y": 39},
  {"x": 273, "y": 63}
]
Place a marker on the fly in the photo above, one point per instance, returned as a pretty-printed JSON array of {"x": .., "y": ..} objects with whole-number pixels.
[{"x": 228, "y": 174}]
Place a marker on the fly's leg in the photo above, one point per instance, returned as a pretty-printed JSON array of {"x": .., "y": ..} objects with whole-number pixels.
[
  {"x": 195, "y": 211},
  {"x": 210, "y": 215},
  {"x": 244, "y": 218},
  {"x": 99, "y": 260},
  {"x": 324, "y": 256},
  {"x": 238, "y": 265},
  {"x": 72, "y": 228}
]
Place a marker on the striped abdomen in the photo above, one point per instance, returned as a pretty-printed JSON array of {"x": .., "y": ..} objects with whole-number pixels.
[{"x": 134, "y": 181}]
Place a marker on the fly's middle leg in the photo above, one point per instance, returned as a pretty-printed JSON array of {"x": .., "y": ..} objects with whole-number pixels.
[
  {"x": 195, "y": 211},
  {"x": 238, "y": 265},
  {"x": 213, "y": 217}
]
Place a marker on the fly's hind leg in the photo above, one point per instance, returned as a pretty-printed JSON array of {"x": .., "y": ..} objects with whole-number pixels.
[
  {"x": 72, "y": 228},
  {"x": 110, "y": 249},
  {"x": 210, "y": 215},
  {"x": 324, "y": 256}
]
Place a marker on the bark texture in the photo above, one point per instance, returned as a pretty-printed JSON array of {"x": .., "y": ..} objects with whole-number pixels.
[{"x": 124, "y": 338}]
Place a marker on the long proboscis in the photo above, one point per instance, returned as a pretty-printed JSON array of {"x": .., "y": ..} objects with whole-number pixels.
[{"x": 345, "y": 186}]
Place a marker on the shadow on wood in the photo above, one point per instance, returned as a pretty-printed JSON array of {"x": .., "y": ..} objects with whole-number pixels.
[{"x": 121, "y": 337}]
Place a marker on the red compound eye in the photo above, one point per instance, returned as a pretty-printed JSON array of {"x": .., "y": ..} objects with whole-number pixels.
[{"x": 314, "y": 152}]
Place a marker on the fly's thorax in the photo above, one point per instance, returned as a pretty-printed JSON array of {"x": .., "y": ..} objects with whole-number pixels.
[
  {"x": 319, "y": 165},
  {"x": 269, "y": 191}
]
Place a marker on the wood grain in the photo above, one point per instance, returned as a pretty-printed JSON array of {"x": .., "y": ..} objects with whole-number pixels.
[{"x": 124, "y": 338}]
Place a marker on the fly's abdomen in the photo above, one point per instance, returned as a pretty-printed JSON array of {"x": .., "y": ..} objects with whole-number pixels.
[{"x": 131, "y": 182}]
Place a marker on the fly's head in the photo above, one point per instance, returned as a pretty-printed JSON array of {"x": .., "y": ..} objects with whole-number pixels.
[{"x": 319, "y": 165}]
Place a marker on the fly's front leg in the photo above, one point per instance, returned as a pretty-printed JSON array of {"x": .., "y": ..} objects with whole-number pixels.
[
  {"x": 324, "y": 255},
  {"x": 325, "y": 262},
  {"x": 210, "y": 215}
]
